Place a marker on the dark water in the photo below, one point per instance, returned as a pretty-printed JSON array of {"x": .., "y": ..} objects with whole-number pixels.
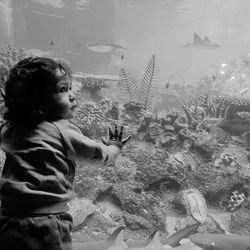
[{"x": 144, "y": 27}]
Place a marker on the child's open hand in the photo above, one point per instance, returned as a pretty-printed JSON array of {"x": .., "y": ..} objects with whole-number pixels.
[{"x": 115, "y": 138}]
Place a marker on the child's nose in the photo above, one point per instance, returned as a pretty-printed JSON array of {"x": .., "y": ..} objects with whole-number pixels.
[{"x": 72, "y": 97}]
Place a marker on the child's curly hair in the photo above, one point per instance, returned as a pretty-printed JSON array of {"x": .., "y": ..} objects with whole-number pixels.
[{"x": 28, "y": 83}]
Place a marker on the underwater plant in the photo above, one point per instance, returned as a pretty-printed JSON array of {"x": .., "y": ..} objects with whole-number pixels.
[
  {"x": 147, "y": 89},
  {"x": 145, "y": 92},
  {"x": 128, "y": 85}
]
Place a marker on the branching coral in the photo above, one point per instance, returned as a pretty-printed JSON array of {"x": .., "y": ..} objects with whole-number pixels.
[
  {"x": 133, "y": 108},
  {"x": 90, "y": 118},
  {"x": 92, "y": 85},
  {"x": 89, "y": 113},
  {"x": 214, "y": 106},
  {"x": 237, "y": 106},
  {"x": 191, "y": 116}
]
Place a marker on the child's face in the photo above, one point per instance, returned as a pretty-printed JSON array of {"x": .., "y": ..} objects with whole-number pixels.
[{"x": 60, "y": 103}]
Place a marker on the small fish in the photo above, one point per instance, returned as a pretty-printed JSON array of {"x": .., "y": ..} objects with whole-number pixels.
[
  {"x": 167, "y": 85},
  {"x": 122, "y": 57},
  {"x": 51, "y": 42},
  {"x": 244, "y": 91},
  {"x": 104, "y": 47},
  {"x": 221, "y": 241}
]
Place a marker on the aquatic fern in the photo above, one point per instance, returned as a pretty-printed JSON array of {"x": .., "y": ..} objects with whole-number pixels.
[
  {"x": 144, "y": 93},
  {"x": 147, "y": 89},
  {"x": 127, "y": 85}
]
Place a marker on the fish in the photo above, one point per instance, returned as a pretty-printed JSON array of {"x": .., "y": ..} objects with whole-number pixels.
[
  {"x": 244, "y": 91},
  {"x": 116, "y": 241},
  {"x": 173, "y": 240},
  {"x": 51, "y": 42},
  {"x": 154, "y": 244},
  {"x": 101, "y": 244},
  {"x": 221, "y": 241},
  {"x": 104, "y": 47},
  {"x": 199, "y": 43},
  {"x": 167, "y": 85}
]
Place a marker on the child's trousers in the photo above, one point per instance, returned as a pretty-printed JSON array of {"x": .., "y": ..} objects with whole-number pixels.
[{"x": 46, "y": 232}]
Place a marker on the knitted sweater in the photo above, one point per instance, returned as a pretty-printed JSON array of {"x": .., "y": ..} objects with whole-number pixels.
[{"x": 39, "y": 170}]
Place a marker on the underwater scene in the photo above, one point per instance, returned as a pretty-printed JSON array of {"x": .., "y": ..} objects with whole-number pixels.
[{"x": 176, "y": 75}]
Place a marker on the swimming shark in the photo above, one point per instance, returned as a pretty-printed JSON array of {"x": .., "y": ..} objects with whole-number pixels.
[
  {"x": 221, "y": 241},
  {"x": 117, "y": 242},
  {"x": 199, "y": 43}
]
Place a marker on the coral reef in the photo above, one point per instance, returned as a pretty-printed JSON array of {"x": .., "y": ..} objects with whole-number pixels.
[
  {"x": 93, "y": 86},
  {"x": 181, "y": 166}
]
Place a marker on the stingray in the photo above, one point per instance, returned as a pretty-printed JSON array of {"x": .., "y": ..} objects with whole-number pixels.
[
  {"x": 199, "y": 43},
  {"x": 104, "y": 47},
  {"x": 221, "y": 241},
  {"x": 116, "y": 242}
]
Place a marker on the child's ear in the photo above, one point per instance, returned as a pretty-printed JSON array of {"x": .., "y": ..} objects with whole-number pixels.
[{"x": 3, "y": 93}]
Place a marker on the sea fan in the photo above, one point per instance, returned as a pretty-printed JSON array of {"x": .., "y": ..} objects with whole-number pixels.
[
  {"x": 147, "y": 89},
  {"x": 127, "y": 85}
]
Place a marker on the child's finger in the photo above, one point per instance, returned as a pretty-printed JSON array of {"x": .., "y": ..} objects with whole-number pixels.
[
  {"x": 120, "y": 134},
  {"x": 116, "y": 131},
  {"x": 126, "y": 139},
  {"x": 111, "y": 135}
]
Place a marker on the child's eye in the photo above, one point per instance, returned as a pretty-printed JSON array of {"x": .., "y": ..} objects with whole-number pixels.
[{"x": 63, "y": 89}]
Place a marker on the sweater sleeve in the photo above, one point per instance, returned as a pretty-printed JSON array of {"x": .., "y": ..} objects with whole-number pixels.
[{"x": 80, "y": 147}]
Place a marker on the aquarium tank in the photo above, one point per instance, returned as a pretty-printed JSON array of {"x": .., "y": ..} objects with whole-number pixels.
[{"x": 176, "y": 75}]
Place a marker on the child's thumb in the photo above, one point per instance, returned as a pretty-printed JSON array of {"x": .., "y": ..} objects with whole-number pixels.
[
  {"x": 126, "y": 139},
  {"x": 104, "y": 141}
]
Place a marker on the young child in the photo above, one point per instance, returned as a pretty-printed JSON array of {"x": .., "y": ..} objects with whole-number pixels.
[{"x": 41, "y": 148}]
